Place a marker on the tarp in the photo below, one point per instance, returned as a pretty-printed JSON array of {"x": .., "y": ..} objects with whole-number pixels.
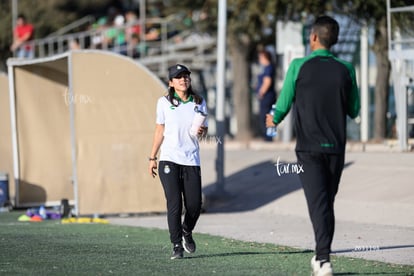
[
  {"x": 43, "y": 133},
  {"x": 6, "y": 156},
  {"x": 85, "y": 123}
]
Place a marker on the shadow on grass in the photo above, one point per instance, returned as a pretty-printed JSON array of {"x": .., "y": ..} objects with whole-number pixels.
[
  {"x": 371, "y": 273},
  {"x": 247, "y": 253}
]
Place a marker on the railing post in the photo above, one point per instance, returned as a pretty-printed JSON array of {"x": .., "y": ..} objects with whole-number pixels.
[
  {"x": 50, "y": 48},
  {"x": 164, "y": 45}
]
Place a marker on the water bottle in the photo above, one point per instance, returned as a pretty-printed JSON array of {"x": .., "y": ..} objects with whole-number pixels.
[
  {"x": 198, "y": 121},
  {"x": 271, "y": 131},
  {"x": 42, "y": 212}
]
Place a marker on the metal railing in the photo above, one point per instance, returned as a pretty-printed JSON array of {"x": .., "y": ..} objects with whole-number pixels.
[
  {"x": 157, "y": 53},
  {"x": 401, "y": 55},
  {"x": 87, "y": 20}
]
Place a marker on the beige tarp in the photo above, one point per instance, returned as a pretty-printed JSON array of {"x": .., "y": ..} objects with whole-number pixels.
[
  {"x": 6, "y": 157},
  {"x": 110, "y": 132},
  {"x": 43, "y": 133}
]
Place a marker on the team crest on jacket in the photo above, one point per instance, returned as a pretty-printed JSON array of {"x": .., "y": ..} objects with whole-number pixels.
[
  {"x": 167, "y": 169},
  {"x": 175, "y": 103}
]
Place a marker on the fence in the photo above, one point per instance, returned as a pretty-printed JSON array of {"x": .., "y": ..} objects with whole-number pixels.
[{"x": 159, "y": 48}]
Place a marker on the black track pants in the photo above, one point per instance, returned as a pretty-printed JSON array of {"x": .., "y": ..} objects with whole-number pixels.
[
  {"x": 320, "y": 180},
  {"x": 180, "y": 182}
]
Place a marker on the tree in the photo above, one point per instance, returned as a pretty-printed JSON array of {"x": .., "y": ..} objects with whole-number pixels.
[
  {"x": 380, "y": 49},
  {"x": 373, "y": 12},
  {"x": 249, "y": 24},
  {"x": 5, "y": 33},
  {"x": 246, "y": 21}
]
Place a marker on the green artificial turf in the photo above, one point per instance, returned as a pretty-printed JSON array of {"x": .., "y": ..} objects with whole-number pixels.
[{"x": 52, "y": 248}]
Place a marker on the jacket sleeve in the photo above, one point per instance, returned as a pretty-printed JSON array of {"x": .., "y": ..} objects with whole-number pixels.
[
  {"x": 287, "y": 94},
  {"x": 354, "y": 104}
]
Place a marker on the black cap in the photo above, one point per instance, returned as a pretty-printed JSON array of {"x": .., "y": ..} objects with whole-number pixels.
[{"x": 176, "y": 70}]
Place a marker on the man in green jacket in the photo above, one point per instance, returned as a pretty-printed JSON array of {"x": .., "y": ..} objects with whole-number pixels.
[{"x": 324, "y": 91}]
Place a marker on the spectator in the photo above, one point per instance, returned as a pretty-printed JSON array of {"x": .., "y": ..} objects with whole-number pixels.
[
  {"x": 133, "y": 27},
  {"x": 136, "y": 48},
  {"x": 22, "y": 34},
  {"x": 132, "y": 34},
  {"x": 98, "y": 28},
  {"x": 74, "y": 44},
  {"x": 153, "y": 32},
  {"x": 114, "y": 36},
  {"x": 265, "y": 89}
]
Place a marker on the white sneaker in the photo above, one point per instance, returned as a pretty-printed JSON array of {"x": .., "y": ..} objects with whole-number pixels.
[{"x": 317, "y": 270}]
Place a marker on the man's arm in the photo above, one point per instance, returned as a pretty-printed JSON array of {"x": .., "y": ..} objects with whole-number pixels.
[
  {"x": 353, "y": 99},
  {"x": 287, "y": 95},
  {"x": 267, "y": 82},
  {"x": 156, "y": 144}
]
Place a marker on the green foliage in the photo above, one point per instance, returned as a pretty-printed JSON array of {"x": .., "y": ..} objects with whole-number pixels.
[
  {"x": 252, "y": 23},
  {"x": 6, "y": 34},
  {"x": 5, "y": 24},
  {"x": 373, "y": 12},
  {"x": 368, "y": 10}
]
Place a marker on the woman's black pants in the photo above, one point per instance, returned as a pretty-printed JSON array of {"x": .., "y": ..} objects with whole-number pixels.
[{"x": 181, "y": 184}]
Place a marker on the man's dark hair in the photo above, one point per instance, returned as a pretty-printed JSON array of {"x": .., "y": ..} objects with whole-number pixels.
[
  {"x": 21, "y": 16},
  {"x": 327, "y": 30}
]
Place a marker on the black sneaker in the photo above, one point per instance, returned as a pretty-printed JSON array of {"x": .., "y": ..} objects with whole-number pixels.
[
  {"x": 188, "y": 243},
  {"x": 178, "y": 252}
]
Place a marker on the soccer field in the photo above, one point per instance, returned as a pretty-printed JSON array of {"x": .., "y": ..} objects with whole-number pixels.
[{"x": 52, "y": 248}]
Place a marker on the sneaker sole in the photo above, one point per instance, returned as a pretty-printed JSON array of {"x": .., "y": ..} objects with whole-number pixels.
[
  {"x": 186, "y": 249},
  {"x": 320, "y": 271}
]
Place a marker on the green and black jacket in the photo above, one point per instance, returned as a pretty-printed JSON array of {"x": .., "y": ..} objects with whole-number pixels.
[{"x": 324, "y": 91}]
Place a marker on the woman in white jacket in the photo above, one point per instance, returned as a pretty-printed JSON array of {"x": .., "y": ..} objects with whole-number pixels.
[{"x": 179, "y": 166}]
